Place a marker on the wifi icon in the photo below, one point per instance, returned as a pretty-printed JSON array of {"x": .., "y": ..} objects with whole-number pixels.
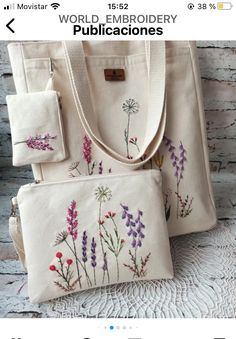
[{"x": 55, "y": 5}]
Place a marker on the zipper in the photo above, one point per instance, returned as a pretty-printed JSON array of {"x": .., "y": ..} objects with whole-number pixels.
[{"x": 38, "y": 183}]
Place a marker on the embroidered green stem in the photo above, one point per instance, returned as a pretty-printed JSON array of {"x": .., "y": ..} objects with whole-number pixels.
[
  {"x": 62, "y": 274},
  {"x": 20, "y": 142},
  {"x": 114, "y": 246},
  {"x": 78, "y": 261},
  {"x": 127, "y": 135},
  {"x": 101, "y": 241},
  {"x": 94, "y": 276}
]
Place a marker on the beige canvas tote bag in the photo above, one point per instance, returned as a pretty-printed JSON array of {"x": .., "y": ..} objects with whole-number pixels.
[{"x": 114, "y": 126}]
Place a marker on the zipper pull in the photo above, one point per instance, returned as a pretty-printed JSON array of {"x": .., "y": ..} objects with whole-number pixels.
[{"x": 13, "y": 207}]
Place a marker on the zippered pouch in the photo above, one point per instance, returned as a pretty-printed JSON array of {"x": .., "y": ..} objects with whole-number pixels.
[
  {"x": 93, "y": 231},
  {"x": 36, "y": 128}
]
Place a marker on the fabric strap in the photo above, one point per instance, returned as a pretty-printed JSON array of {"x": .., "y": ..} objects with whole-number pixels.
[
  {"x": 78, "y": 74},
  {"x": 16, "y": 233}
]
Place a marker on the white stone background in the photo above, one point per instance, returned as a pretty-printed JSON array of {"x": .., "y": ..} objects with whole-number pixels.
[{"x": 218, "y": 72}]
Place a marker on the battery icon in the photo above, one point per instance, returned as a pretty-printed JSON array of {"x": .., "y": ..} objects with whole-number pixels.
[{"x": 224, "y": 5}]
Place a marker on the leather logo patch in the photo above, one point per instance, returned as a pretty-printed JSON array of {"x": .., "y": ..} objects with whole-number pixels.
[{"x": 114, "y": 74}]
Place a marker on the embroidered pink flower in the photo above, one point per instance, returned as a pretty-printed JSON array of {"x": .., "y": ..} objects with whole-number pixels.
[
  {"x": 52, "y": 268},
  {"x": 59, "y": 255},
  {"x": 110, "y": 215},
  {"x": 39, "y": 142},
  {"x": 72, "y": 220},
  {"x": 69, "y": 262},
  {"x": 87, "y": 149}
]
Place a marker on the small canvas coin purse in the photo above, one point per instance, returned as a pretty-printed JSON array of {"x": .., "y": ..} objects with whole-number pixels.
[
  {"x": 93, "y": 231},
  {"x": 36, "y": 128}
]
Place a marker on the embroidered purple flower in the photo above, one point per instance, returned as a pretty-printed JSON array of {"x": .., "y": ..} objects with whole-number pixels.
[
  {"x": 39, "y": 142},
  {"x": 100, "y": 168},
  {"x": 84, "y": 247},
  {"x": 136, "y": 233},
  {"x": 87, "y": 149},
  {"x": 135, "y": 227},
  {"x": 179, "y": 160},
  {"x": 93, "y": 259},
  {"x": 72, "y": 220},
  {"x": 93, "y": 253},
  {"x": 183, "y": 159},
  {"x": 139, "y": 229}
]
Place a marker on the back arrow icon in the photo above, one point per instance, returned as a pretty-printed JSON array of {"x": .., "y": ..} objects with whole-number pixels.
[{"x": 8, "y": 25}]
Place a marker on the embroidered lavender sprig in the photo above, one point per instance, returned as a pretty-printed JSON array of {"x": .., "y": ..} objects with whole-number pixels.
[
  {"x": 87, "y": 154},
  {"x": 136, "y": 233},
  {"x": 93, "y": 259},
  {"x": 39, "y": 142},
  {"x": 179, "y": 160},
  {"x": 178, "y": 163},
  {"x": 100, "y": 168},
  {"x": 182, "y": 160},
  {"x": 87, "y": 149},
  {"x": 130, "y": 223},
  {"x": 72, "y": 220},
  {"x": 173, "y": 156},
  {"x": 84, "y": 247},
  {"x": 85, "y": 257},
  {"x": 139, "y": 229}
]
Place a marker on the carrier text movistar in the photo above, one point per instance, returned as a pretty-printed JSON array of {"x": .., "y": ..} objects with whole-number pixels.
[{"x": 119, "y": 19}]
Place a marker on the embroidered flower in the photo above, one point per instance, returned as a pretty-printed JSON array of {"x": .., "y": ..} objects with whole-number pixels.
[
  {"x": 136, "y": 233},
  {"x": 87, "y": 149},
  {"x": 103, "y": 194},
  {"x": 93, "y": 259},
  {"x": 135, "y": 227},
  {"x": 110, "y": 214},
  {"x": 72, "y": 220},
  {"x": 130, "y": 106},
  {"x": 178, "y": 157},
  {"x": 52, "y": 268},
  {"x": 93, "y": 253},
  {"x": 60, "y": 238},
  {"x": 64, "y": 273},
  {"x": 84, "y": 247},
  {"x": 39, "y": 142},
  {"x": 100, "y": 168},
  {"x": 59, "y": 255}
]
